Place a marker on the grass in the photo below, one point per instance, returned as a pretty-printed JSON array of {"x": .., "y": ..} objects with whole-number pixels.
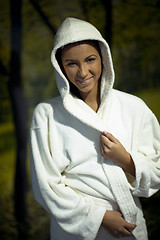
[
  {"x": 152, "y": 98},
  {"x": 37, "y": 218},
  {"x": 7, "y": 150},
  {"x": 8, "y": 228}
]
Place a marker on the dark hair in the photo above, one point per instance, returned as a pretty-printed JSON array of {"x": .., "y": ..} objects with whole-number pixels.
[{"x": 73, "y": 88}]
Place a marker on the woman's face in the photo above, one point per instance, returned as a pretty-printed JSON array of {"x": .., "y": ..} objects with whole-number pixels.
[{"x": 82, "y": 65}]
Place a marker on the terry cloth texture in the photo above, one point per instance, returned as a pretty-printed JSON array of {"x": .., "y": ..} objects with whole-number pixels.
[{"x": 70, "y": 178}]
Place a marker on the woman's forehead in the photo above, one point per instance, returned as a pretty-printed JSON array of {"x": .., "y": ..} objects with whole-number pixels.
[{"x": 81, "y": 46}]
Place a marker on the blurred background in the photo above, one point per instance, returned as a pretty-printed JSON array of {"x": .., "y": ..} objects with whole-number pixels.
[{"x": 27, "y": 29}]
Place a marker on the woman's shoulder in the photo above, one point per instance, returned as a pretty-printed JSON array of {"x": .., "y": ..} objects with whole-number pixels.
[
  {"x": 128, "y": 99},
  {"x": 131, "y": 104},
  {"x": 45, "y": 110},
  {"x": 48, "y": 105}
]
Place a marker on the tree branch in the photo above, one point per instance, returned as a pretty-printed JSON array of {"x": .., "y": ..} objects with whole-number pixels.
[
  {"x": 154, "y": 5},
  {"x": 43, "y": 16}
]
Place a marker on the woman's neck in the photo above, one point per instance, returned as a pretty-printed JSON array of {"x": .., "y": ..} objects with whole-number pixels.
[{"x": 92, "y": 98}]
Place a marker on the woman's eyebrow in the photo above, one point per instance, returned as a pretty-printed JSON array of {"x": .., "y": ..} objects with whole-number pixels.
[
  {"x": 92, "y": 55},
  {"x": 73, "y": 60},
  {"x": 69, "y": 60}
]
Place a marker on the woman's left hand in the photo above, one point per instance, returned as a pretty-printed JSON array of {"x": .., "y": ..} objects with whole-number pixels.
[{"x": 112, "y": 149}]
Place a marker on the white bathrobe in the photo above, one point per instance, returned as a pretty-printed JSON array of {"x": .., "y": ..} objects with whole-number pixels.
[{"x": 70, "y": 178}]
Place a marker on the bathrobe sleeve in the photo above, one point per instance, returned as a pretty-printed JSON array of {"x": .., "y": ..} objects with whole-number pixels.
[
  {"x": 146, "y": 155},
  {"x": 75, "y": 214}
]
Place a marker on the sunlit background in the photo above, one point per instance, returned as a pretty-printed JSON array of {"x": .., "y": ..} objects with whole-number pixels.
[{"x": 27, "y": 29}]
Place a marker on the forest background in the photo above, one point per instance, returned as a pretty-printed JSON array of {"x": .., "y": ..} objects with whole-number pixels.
[{"x": 27, "y": 29}]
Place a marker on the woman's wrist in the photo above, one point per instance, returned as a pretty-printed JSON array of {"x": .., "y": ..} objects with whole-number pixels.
[{"x": 128, "y": 165}]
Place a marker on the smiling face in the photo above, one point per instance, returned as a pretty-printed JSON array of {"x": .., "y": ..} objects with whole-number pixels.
[{"x": 82, "y": 66}]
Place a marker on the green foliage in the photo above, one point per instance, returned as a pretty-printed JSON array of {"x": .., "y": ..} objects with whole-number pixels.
[
  {"x": 5, "y": 105},
  {"x": 7, "y": 150},
  {"x": 5, "y": 108},
  {"x": 8, "y": 226},
  {"x": 152, "y": 98},
  {"x": 4, "y": 33},
  {"x": 95, "y": 13},
  {"x": 136, "y": 44}
]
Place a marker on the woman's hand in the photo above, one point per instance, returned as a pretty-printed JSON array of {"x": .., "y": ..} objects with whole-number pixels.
[
  {"x": 114, "y": 222},
  {"x": 112, "y": 149}
]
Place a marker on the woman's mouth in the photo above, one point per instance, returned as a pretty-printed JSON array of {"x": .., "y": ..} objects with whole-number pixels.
[{"x": 84, "y": 81}]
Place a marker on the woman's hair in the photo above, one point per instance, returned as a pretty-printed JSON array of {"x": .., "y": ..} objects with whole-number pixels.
[{"x": 73, "y": 88}]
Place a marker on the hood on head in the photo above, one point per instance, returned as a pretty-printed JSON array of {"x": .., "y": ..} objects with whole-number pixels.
[{"x": 75, "y": 30}]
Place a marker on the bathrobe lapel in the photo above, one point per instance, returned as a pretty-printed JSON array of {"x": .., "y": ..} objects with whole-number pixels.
[
  {"x": 115, "y": 175},
  {"x": 120, "y": 188},
  {"x": 83, "y": 112}
]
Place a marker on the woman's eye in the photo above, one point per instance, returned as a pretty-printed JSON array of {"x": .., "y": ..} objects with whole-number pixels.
[
  {"x": 91, "y": 60},
  {"x": 70, "y": 64}
]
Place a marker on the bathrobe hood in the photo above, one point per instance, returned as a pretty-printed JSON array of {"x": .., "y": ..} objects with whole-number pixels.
[{"x": 74, "y": 30}]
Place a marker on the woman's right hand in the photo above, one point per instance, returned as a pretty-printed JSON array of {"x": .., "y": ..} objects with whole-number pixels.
[{"x": 114, "y": 222}]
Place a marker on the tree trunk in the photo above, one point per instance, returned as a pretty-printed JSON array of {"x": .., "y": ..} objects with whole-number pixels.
[
  {"x": 19, "y": 116},
  {"x": 108, "y": 29}
]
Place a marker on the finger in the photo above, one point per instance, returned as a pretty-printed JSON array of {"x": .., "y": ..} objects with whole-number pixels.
[
  {"x": 123, "y": 233},
  {"x": 105, "y": 141},
  {"x": 110, "y": 137},
  {"x": 126, "y": 232},
  {"x": 105, "y": 133},
  {"x": 131, "y": 226}
]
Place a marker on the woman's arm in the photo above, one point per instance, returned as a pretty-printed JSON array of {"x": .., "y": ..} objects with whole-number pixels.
[
  {"x": 75, "y": 214},
  {"x": 143, "y": 160},
  {"x": 145, "y": 153}
]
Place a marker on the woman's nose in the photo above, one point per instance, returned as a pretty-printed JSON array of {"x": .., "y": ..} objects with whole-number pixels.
[{"x": 83, "y": 71}]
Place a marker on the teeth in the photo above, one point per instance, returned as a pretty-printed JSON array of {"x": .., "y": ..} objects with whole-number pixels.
[{"x": 84, "y": 81}]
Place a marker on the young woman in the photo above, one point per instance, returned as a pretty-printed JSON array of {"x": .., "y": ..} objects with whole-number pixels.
[{"x": 94, "y": 150}]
